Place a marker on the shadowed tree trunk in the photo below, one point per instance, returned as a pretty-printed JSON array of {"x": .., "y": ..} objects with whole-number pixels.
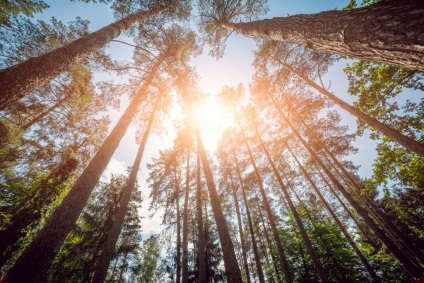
[
  {"x": 36, "y": 259},
  {"x": 185, "y": 221},
  {"x": 389, "y": 132},
  {"x": 232, "y": 269},
  {"x": 109, "y": 246},
  {"x": 19, "y": 80},
  {"x": 177, "y": 202},
  {"x": 282, "y": 256},
  {"x": 243, "y": 245},
  {"x": 410, "y": 266},
  {"x": 249, "y": 220},
  {"x": 390, "y": 32},
  {"x": 321, "y": 273},
  {"x": 200, "y": 229},
  {"x": 351, "y": 242}
]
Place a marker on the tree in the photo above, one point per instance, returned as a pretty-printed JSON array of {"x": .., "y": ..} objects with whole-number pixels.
[
  {"x": 19, "y": 80},
  {"x": 347, "y": 32},
  {"x": 13, "y": 8}
]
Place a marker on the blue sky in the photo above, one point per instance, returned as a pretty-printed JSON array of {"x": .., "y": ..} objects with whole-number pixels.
[{"x": 234, "y": 68}]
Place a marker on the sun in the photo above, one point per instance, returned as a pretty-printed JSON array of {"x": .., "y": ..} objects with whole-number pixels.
[{"x": 212, "y": 119}]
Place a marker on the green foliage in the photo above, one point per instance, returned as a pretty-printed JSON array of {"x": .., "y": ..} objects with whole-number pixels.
[{"x": 9, "y": 9}]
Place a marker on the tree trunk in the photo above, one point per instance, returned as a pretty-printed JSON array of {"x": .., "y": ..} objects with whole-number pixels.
[
  {"x": 39, "y": 117},
  {"x": 178, "y": 256},
  {"x": 283, "y": 259},
  {"x": 240, "y": 226},
  {"x": 351, "y": 242},
  {"x": 249, "y": 220},
  {"x": 410, "y": 266},
  {"x": 185, "y": 221},
  {"x": 109, "y": 246},
  {"x": 36, "y": 259},
  {"x": 230, "y": 261},
  {"x": 21, "y": 79},
  {"x": 200, "y": 230},
  {"x": 390, "y": 32},
  {"x": 306, "y": 240},
  {"x": 389, "y": 132}
]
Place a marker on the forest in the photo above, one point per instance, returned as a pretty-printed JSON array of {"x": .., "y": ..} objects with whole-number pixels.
[{"x": 211, "y": 141}]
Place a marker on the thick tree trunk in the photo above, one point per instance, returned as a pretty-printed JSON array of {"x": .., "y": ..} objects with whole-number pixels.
[
  {"x": 240, "y": 226},
  {"x": 201, "y": 232},
  {"x": 320, "y": 270},
  {"x": 351, "y": 242},
  {"x": 414, "y": 269},
  {"x": 19, "y": 80},
  {"x": 185, "y": 221},
  {"x": 249, "y": 221},
  {"x": 389, "y": 132},
  {"x": 232, "y": 269},
  {"x": 390, "y": 32},
  {"x": 36, "y": 259},
  {"x": 283, "y": 259},
  {"x": 109, "y": 246}
]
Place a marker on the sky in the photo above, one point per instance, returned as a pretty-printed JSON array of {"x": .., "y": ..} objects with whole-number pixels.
[{"x": 234, "y": 68}]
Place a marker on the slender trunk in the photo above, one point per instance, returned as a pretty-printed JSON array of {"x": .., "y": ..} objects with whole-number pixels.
[
  {"x": 230, "y": 261},
  {"x": 389, "y": 132},
  {"x": 269, "y": 243},
  {"x": 178, "y": 257},
  {"x": 351, "y": 242},
  {"x": 383, "y": 219},
  {"x": 200, "y": 230},
  {"x": 243, "y": 245},
  {"x": 21, "y": 79},
  {"x": 306, "y": 240},
  {"x": 389, "y": 32},
  {"x": 371, "y": 241},
  {"x": 249, "y": 220},
  {"x": 123, "y": 268},
  {"x": 185, "y": 221},
  {"x": 36, "y": 259},
  {"x": 410, "y": 266},
  {"x": 39, "y": 117},
  {"x": 109, "y": 246},
  {"x": 283, "y": 259}
]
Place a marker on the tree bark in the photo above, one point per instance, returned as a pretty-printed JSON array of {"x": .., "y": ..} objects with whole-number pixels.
[
  {"x": 283, "y": 259},
  {"x": 230, "y": 261},
  {"x": 200, "y": 229},
  {"x": 320, "y": 270},
  {"x": 351, "y": 242},
  {"x": 185, "y": 221},
  {"x": 19, "y": 80},
  {"x": 249, "y": 220},
  {"x": 390, "y": 32},
  {"x": 240, "y": 226},
  {"x": 109, "y": 246},
  {"x": 36, "y": 259},
  {"x": 178, "y": 256}
]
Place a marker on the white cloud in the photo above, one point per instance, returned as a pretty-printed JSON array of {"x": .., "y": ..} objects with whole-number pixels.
[{"x": 116, "y": 167}]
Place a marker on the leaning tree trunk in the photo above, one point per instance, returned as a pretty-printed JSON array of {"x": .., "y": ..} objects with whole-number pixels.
[
  {"x": 232, "y": 269},
  {"x": 240, "y": 226},
  {"x": 249, "y": 221},
  {"x": 283, "y": 259},
  {"x": 320, "y": 270},
  {"x": 185, "y": 221},
  {"x": 19, "y": 80},
  {"x": 389, "y": 132},
  {"x": 109, "y": 246},
  {"x": 351, "y": 242},
  {"x": 412, "y": 267},
  {"x": 36, "y": 259},
  {"x": 390, "y": 32},
  {"x": 200, "y": 230}
]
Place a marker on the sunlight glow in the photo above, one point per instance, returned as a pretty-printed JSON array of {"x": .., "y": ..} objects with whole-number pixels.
[{"x": 212, "y": 119}]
